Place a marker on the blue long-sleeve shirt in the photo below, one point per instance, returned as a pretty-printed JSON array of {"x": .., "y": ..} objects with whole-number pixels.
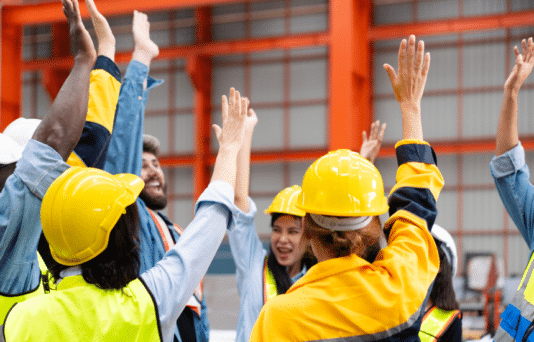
[
  {"x": 20, "y": 208},
  {"x": 125, "y": 155},
  {"x": 511, "y": 175}
]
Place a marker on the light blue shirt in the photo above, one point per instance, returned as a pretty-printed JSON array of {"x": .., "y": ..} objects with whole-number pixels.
[
  {"x": 125, "y": 155},
  {"x": 511, "y": 176},
  {"x": 20, "y": 224}
]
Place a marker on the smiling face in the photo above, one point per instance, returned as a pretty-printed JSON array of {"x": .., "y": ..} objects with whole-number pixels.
[
  {"x": 287, "y": 243},
  {"x": 154, "y": 193}
]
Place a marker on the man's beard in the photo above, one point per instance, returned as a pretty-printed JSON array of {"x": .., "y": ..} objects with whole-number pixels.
[{"x": 155, "y": 202}]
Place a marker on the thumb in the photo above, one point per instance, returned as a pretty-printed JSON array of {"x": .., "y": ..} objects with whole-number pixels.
[
  {"x": 218, "y": 131},
  {"x": 391, "y": 72}
]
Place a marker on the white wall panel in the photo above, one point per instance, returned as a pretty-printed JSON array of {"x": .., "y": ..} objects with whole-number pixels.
[
  {"x": 447, "y": 205},
  {"x": 482, "y": 244},
  {"x": 439, "y": 117},
  {"x": 159, "y": 96},
  {"x": 309, "y": 23},
  {"x": 437, "y": 9},
  {"x": 388, "y": 111},
  {"x": 267, "y": 83},
  {"x": 476, "y": 169},
  {"x": 262, "y": 220},
  {"x": 308, "y": 80},
  {"x": 183, "y": 180},
  {"x": 228, "y": 31},
  {"x": 267, "y": 27},
  {"x": 482, "y": 210},
  {"x": 394, "y": 13},
  {"x": 157, "y": 126},
  {"x": 481, "y": 7},
  {"x": 443, "y": 73},
  {"x": 381, "y": 82},
  {"x": 183, "y": 133},
  {"x": 269, "y": 131},
  {"x": 478, "y": 60},
  {"x": 518, "y": 254},
  {"x": 307, "y": 127},
  {"x": 388, "y": 169},
  {"x": 184, "y": 93},
  {"x": 222, "y": 79},
  {"x": 183, "y": 212},
  {"x": 481, "y": 114},
  {"x": 266, "y": 178},
  {"x": 525, "y": 104}
]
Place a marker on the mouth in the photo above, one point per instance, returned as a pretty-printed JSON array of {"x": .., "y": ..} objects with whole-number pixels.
[{"x": 284, "y": 252}]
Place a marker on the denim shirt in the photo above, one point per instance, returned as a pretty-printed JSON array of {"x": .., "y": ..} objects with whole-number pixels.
[
  {"x": 20, "y": 224},
  {"x": 125, "y": 155},
  {"x": 511, "y": 176}
]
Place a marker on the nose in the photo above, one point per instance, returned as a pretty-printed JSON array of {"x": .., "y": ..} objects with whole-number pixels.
[{"x": 284, "y": 237}]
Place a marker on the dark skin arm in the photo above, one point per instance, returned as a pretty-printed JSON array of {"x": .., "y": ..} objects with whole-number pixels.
[{"x": 62, "y": 126}]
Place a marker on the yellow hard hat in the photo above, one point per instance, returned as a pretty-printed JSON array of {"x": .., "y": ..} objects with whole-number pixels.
[
  {"x": 80, "y": 209},
  {"x": 284, "y": 202},
  {"x": 342, "y": 183}
]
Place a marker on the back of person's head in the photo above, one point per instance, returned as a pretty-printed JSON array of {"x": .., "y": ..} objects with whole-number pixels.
[
  {"x": 90, "y": 218},
  {"x": 442, "y": 294},
  {"x": 342, "y": 195}
]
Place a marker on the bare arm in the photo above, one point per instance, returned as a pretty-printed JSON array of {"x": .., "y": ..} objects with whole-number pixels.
[
  {"x": 230, "y": 137},
  {"x": 62, "y": 126},
  {"x": 409, "y": 85},
  {"x": 507, "y": 133},
  {"x": 243, "y": 162},
  {"x": 371, "y": 147}
]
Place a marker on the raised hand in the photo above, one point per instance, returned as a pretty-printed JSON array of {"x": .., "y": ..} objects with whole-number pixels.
[
  {"x": 523, "y": 66},
  {"x": 234, "y": 116},
  {"x": 144, "y": 48},
  {"x": 409, "y": 84},
  {"x": 104, "y": 36},
  {"x": 83, "y": 45},
  {"x": 371, "y": 147},
  {"x": 251, "y": 119}
]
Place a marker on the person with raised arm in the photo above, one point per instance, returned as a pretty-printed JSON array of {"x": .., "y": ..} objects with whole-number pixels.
[
  {"x": 91, "y": 222},
  {"x": 511, "y": 175},
  {"x": 361, "y": 288},
  {"x": 27, "y": 175}
]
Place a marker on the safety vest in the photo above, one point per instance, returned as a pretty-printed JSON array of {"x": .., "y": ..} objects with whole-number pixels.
[
  {"x": 517, "y": 320},
  {"x": 269, "y": 283},
  {"x": 194, "y": 303},
  {"x": 80, "y": 311},
  {"x": 435, "y": 322},
  {"x": 7, "y": 301}
]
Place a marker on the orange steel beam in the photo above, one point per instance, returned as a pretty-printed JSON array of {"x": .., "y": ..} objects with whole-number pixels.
[
  {"x": 436, "y": 27},
  {"x": 350, "y": 106},
  {"x": 51, "y": 11},
  {"x": 53, "y": 79},
  {"x": 10, "y": 70},
  {"x": 208, "y": 49},
  {"x": 199, "y": 69}
]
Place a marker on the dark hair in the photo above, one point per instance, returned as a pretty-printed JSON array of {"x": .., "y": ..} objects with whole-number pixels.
[
  {"x": 283, "y": 281},
  {"x": 335, "y": 240},
  {"x": 442, "y": 294},
  {"x": 119, "y": 263},
  {"x": 6, "y": 170}
]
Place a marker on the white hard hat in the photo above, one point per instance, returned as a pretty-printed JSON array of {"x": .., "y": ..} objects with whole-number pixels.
[
  {"x": 10, "y": 151},
  {"x": 21, "y": 130},
  {"x": 447, "y": 245}
]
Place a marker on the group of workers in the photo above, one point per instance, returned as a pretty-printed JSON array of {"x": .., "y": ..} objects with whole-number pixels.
[{"x": 86, "y": 254}]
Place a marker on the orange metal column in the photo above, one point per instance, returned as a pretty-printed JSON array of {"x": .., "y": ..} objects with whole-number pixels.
[
  {"x": 52, "y": 78},
  {"x": 10, "y": 71},
  {"x": 350, "y": 105},
  {"x": 199, "y": 70}
]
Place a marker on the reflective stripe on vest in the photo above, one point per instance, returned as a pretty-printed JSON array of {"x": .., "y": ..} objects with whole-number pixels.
[
  {"x": 517, "y": 319},
  {"x": 194, "y": 303},
  {"x": 79, "y": 311},
  {"x": 7, "y": 301},
  {"x": 435, "y": 323},
  {"x": 269, "y": 283}
]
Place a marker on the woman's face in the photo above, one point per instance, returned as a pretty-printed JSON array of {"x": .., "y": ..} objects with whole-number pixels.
[{"x": 286, "y": 240}]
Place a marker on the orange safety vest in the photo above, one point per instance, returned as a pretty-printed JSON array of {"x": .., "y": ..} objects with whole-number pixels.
[{"x": 168, "y": 242}]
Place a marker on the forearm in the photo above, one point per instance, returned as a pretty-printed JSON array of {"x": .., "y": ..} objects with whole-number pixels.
[
  {"x": 507, "y": 134},
  {"x": 62, "y": 126},
  {"x": 225, "y": 165},
  {"x": 412, "y": 127},
  {"x": 243, "y": 175}
]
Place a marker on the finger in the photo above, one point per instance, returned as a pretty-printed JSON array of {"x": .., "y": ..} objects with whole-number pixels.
[
  {"x": 374, "y": 130},
  {"x": 402, "y": 55},
  {"x": 516, "y": 51},
  {"x": 382, "y": 132},
  {"x": 217, "y": 130},
  {"x": 530, "y": 49},
  {"x": 237, "y": 109},
  {"x": 426, "y": 65},
  {"x": 524, "y": 47},
  {"x": 411, "y": 53},
  {"x": 231, "y": 100},
  {"x": 76, "y": 8},
  {"x": 364, "y": 136},
  {"x": 391, "y": 73},
  {"x": 419, "y": 57},
  {"x": 225, "y": 107},
  {"x": 244, "y": 107}
]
